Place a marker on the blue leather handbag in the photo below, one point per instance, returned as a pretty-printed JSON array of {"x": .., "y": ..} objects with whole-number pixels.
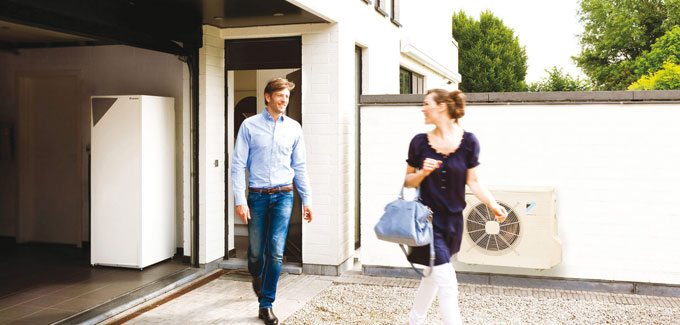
[{"x": 407, "y": 223}]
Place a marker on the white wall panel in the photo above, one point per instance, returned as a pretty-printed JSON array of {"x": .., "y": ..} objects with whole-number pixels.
[{"x": 613, "y": 167}]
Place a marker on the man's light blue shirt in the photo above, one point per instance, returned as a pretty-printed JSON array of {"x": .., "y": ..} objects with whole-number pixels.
[{"x": 274, "y": 154}]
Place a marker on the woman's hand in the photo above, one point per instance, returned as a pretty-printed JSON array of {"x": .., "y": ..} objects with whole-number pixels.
[
  {"x": 415, "y": 177},
  {"x": 499, "y": 211},
  {"x": 429, "y": 165}
]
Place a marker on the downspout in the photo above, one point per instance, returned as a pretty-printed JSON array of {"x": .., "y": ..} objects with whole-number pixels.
[{"x": 192, "y": 63}]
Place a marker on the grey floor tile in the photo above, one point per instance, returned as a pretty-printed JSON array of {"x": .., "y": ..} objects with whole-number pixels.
[
  {"x": 107, "y": 293},
  {"x": 45, "y": 316},
  {"x": 77, "y": 290},
  {"x": 78, "y": 304},
  {"x": 19, "y": 311},
  {"x": 16, "y": 299},
  {"x": 47, "y": 301}
]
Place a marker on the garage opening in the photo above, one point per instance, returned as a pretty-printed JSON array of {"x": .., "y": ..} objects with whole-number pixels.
[{"x": 53, "y": 59}]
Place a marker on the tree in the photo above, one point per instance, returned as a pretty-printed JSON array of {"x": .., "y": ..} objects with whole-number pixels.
[
  {"x": 616, "y": 32},
  {"x": 665, "y": 49},
  {"x": 491, "y": 59},
  {"x": 673, "y": 9},
  {"x": 557, "y": 80},
  {"x": 665, "y": 79}
]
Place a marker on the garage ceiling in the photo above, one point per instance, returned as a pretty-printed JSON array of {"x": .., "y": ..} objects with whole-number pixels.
[
  {"x": 240, "y": 13},
  {"x": 10, "y": 32},
  {"x": 165, "y": 25}
]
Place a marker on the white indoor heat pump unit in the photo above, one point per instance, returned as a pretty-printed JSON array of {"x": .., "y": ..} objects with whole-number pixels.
[
  {"x": 133, "y": 180},
  {"x": 527, "y": 238}
]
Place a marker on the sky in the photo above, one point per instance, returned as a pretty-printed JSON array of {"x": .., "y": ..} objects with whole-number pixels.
[{"x": 547, "y": 28}]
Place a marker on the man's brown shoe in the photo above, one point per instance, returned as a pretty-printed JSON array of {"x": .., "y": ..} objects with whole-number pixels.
[{"x": 267, "y": 315}]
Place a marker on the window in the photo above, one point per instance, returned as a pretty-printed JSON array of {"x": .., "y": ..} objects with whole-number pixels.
[
  {"x": 380, "y": 6},
  {"x": 410, "y": 82},
  {"x": 395, "y": 12}
]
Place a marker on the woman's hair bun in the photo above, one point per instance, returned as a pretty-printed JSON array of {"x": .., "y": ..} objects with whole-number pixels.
[{"x": 454, "y": 100}]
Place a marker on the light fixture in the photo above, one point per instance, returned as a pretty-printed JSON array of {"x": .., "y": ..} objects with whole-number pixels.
[
  {"x": 218, "y": 18},
  {"x": 278, "y": 14}
]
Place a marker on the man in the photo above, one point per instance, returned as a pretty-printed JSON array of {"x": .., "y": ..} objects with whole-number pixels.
[{"x": 270, "y": 146}]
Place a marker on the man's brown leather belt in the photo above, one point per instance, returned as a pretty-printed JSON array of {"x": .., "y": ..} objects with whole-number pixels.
[{"x": 272, "y": 190}]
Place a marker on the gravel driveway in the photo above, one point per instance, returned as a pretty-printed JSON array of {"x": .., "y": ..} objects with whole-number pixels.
[{"x": 348, "y": 303}]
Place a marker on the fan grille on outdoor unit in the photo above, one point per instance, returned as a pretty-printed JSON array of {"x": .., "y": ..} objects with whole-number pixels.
[{"x": 476, "y": 228}]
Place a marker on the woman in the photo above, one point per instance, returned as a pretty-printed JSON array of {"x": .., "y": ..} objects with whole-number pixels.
[{"x": 441, "y": 162}]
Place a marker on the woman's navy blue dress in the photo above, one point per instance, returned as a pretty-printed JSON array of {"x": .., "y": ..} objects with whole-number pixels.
[{"x": 444, "y": 192}]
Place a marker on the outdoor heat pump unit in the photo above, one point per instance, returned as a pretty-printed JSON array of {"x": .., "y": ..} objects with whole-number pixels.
[
  {"x": 132, "y": 180},
  {"x": 527, "y": 238}
]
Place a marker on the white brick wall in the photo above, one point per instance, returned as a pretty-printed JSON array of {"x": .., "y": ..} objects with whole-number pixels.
[
  {"x": 614, "y": 168},
  {"x": 211, "y": 146},
  {"x": 320, "y": 82}
]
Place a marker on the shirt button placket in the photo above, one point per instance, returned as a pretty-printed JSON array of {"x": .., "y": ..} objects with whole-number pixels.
[
  {"x": 443, "y": 179},
  {"x": 272, "y": 154}
]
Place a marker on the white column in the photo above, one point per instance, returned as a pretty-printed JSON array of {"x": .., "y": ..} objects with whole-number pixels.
[{"x": 211, "y": 146}]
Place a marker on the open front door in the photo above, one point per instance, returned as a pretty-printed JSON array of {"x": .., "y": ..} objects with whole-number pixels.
[{"x": 293, "y": 251}]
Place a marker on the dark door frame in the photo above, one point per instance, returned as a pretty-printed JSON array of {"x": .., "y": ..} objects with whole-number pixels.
[{"x": 255, "y": 54}]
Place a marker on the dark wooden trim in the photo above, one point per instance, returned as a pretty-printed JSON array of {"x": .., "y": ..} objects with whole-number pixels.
[{"x": 263, "y": 53}]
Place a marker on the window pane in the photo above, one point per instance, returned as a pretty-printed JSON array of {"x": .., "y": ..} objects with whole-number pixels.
[
  {"x": 418, "y": 84},
  {"x": 405, "y": 82}
]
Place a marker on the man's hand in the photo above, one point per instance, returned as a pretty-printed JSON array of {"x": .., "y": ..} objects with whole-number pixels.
[
  {"x": 307, "y": 213},
  {"x": 243, "y": 212}
]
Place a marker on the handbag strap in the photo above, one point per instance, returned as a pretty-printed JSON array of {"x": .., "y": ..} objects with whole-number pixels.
[
  {"x": 401, "y": 193},
  {"x": 429, "y": 224},
  {"x": 432, "y": 256}
]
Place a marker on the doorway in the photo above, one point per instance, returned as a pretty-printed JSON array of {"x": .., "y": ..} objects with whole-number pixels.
[{"x": 253, "y": 62}]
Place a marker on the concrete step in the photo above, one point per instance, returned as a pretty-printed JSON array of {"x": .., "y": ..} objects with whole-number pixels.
[{"x": 242, "y": 264}]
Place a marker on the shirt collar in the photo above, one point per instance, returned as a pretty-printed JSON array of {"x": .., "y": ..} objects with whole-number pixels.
[{"x": 268, "y": 116}]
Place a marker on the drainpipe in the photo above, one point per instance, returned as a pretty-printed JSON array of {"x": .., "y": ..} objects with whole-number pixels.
[{"x": 192, "y": 63}]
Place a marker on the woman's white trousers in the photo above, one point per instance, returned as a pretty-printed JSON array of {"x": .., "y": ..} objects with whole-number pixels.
[{"x": 442, "y": 281}]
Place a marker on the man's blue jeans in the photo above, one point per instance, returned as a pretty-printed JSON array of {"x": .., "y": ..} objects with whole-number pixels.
[{"x": 267, "y": 232}]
